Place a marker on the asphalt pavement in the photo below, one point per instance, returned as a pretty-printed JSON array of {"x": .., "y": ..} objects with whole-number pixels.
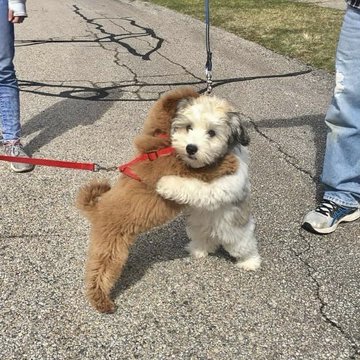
[{"x": 89, "y": 71}]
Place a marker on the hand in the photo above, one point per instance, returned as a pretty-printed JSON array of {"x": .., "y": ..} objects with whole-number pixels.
[{"x": 15, "y": 19}]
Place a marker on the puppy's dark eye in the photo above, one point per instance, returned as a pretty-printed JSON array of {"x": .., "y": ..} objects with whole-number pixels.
[
  {"x": 188, "y": 128},
  {"x": 211, "y": 133}
]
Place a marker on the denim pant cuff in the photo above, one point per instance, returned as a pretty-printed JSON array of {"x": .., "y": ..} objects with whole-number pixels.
[{"x": 339, "y": 201}]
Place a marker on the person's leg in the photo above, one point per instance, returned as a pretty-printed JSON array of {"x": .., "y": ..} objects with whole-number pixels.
[
  {"x": 341, "y": 171},
  {"x": 341, "y": 168},
  {"x": 9, "y": 92}
]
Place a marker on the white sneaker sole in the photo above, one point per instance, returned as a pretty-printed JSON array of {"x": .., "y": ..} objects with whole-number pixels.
[
  {"x": 14, "y": 169},
  {"x": 348, "y": 218}
]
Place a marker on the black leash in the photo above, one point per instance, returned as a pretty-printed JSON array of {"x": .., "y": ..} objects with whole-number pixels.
[{"x": 208, "y": 66}]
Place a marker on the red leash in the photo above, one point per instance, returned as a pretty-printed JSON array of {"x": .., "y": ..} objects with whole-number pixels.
[
  {"x": 125, "y": 169},
  {"x": 56, "y": 163}
]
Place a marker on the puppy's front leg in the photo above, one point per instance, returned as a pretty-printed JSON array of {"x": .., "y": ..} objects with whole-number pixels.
[
  {"x": 200, "y": 194},
  {"x": 226, "y": 166},
  {"x": 146, "y": 143}
]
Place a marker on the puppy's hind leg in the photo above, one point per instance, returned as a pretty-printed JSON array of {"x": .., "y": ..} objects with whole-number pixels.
[
  {"x": 200, "y": 245},
  {"x": 244, "y": 249},
  {"x": 107, "y": 257}
]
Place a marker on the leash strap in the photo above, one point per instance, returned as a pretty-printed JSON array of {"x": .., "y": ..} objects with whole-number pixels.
[
  {"x": 126, "y": 168},
  {"x": 208, "y": 65},
  {"x": 48, "y": 162}
]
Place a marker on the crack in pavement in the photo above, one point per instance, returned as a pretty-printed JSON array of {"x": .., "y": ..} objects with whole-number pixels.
[
  {"x": 311, "y": 273},
  {"x": 102, "y": 37},
  {"x": 291, "y": 160},
  {"x": 113, "y": 38},
  {"x": 153, "y": 35}
]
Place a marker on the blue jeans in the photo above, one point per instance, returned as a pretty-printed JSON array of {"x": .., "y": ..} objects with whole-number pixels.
[
  {"x": 9, "y": 90},
  {"x": 341, "y": 169}
]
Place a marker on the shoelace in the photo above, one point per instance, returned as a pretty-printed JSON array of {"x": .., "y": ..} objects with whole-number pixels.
[
  {"x": 326, "y": 208},
  {"x": 15, "y": 149}
]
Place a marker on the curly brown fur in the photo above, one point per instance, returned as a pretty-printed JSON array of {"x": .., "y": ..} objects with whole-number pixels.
[
  {"x": 158, "y": 121},
  {"x": 119, "y": 214},
  {"x": 89, "y": 194}
]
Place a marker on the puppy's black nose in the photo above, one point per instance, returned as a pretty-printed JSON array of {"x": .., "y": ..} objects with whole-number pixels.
[{"x": 191, "y": 149}]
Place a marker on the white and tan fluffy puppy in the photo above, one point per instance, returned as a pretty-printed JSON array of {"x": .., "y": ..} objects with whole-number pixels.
[{"x": 218, "y": 213}]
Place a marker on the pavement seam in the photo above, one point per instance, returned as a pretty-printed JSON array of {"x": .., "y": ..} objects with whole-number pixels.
[
  {"x": 146, "y": 56},
  {"x": 311, "y": 273},
  {"x": 291, "y": 160},
  {"x": 111, "y": 38}
]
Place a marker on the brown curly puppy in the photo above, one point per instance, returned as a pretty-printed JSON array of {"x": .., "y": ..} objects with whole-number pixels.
[{"x": 120, "y": 213}]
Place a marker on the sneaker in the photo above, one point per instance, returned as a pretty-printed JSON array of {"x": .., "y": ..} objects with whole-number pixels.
[
  {"x": 14, "y": 148},
  {"x": 327, "y": 216}
]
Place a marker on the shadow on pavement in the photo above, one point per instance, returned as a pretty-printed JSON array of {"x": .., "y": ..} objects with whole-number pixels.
[
  {"x": 60, "y": 118},
  {"x": 160, "y": 245}
]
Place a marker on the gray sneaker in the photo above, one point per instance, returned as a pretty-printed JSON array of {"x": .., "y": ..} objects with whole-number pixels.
[
  {"x": 14, "y": 148},
  {"x": 327, "y": 216}
]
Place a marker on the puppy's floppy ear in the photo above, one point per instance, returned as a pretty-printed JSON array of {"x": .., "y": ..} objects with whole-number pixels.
[
  {"x": 238, "y": 132},
  {"x": 183, "y": 103}
]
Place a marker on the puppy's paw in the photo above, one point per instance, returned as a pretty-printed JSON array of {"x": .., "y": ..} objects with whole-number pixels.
[
  {"x": 250, "y": 264},
  {"x": 106, "y": 306},
  {"x": 195, "y": 252},
  {"x": 198, "y": 253},
  {"x": 101, "y": 301},
  {"x": 167, "y": 185}
]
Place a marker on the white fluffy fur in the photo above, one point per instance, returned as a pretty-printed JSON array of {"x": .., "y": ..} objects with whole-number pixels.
[{"x": 218, "y": 212}]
